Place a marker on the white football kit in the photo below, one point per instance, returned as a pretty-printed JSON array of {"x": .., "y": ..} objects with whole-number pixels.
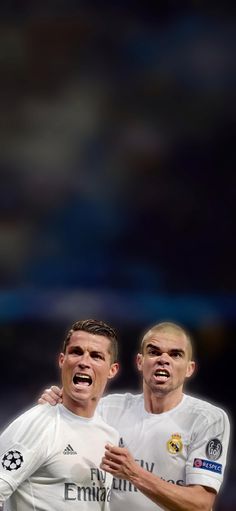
[
  {"x": 186, "y": 445},
  {"x": 50, "y": 458}
]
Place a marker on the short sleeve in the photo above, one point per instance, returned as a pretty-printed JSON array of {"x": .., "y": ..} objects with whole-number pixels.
[
  {"x": 208, "y": 450},
  {"x": 22, "y": 450}
]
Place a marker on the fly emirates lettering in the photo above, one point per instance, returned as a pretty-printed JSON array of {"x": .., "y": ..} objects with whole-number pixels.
[
  {"x": 92, "y": 493},
  {"x": 123, "y": 485}
]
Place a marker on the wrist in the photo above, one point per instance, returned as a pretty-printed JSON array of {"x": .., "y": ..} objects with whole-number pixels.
[{"x": 138, "y": 475}]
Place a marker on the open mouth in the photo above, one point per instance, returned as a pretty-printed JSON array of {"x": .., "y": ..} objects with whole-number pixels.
[
  {"x": 82, "y": 379},
  {"x": 161, "y": 375}
]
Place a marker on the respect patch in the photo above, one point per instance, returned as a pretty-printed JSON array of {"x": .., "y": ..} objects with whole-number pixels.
[{"x": 207, "y": 465}]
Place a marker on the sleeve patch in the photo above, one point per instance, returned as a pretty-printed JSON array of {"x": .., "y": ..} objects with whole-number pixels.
[
  {"x": 207, "y": 465},
  {"x": 214, "y": 449},
  {"x": 12, "y": 460}
]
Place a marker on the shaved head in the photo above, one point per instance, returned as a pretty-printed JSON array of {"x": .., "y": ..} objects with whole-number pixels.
[{"x": 170, "y": 328}]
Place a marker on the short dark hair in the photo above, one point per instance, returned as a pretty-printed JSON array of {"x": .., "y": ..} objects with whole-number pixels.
[{"x": 97, "y": 327}]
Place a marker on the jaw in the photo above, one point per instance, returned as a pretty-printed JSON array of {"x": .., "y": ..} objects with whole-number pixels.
[
  {"x": 80, "y": 401},
  {"x": 159, "y": 381},
  {"x": 81, "y": 391},
  {"x": 76, "y": 391},
  {"x": 160, "y": 398}
]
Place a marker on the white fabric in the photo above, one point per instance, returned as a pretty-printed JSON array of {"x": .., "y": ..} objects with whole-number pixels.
[
  {"x": 149, "y": 437},
  {"x": 58, "y": 456}
]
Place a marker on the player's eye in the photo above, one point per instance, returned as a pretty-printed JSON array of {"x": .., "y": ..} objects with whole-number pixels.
[
  {"x": 75, "y": 351},
  {"x": 177, "y": 354},
  {"x": 152, "y": 351},
  {"x": 96, "y": 355}
]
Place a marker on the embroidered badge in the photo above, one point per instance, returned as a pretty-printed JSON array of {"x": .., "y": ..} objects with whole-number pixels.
[
  {"x": 214, "y": 449},
  {"x": 12, "y": 460},
  {"x": 175, "y": 444}
]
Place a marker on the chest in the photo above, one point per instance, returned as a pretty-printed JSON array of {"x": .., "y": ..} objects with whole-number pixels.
[
  {"x": 156, "y": 442},
  {"x": 75, "y": 456}
]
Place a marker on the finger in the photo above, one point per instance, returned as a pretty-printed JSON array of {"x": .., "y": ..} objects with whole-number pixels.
[
  {"x": 115, "y": 449},
  {"x": 54, "y": 390},
  {"x": 108, "y": 455},
  {"x": 109, "y": 465},
  {"x": 106, "y": 468},
  {"x": 47, "y": 398},
  {"x": 41, "y": 401}
]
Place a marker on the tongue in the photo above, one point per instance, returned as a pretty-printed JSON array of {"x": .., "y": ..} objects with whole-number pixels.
[
  {"x": 161, "y": 377},
  {"x": 82, "y": 382}
]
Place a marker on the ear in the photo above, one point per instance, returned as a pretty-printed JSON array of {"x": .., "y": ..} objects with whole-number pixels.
[
  {"x": 61, "y": 360},
  {"x": 139, "y": 361},
  {"x": 113, "y": 370},
  {"x": 190, "y": 369}
]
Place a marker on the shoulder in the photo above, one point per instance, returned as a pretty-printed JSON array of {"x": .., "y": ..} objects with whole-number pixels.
[
  {"x": 109, "y": 430},
  {"x": 122, "y": 400},
  {"x": 31, "y": 424},
  {"x": 115, "y": 408},
  {"x": 206, "y": 411},
  {"x": 37, "y": 414}
]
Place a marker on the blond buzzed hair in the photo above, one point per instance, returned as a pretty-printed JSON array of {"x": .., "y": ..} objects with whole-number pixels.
[{"x": 168, "y": 326}]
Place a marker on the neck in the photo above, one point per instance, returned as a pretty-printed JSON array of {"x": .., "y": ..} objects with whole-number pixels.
[
  {"x": 159, "y": 402},
  {"x": 82, "y": 409}
]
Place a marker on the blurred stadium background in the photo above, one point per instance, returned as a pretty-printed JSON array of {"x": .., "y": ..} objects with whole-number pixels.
[{"x": 117, "y": 186}]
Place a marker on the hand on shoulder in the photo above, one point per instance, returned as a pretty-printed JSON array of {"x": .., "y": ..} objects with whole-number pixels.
[{"x": 53, "y": 396}]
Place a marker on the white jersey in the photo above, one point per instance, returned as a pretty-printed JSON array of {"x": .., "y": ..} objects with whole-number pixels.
[
  {"x": 50, "y": 460},
  {"x": 186, "y": 445}
]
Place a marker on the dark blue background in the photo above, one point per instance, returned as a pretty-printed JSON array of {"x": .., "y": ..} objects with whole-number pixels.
[{"x": 117, "y": 186}]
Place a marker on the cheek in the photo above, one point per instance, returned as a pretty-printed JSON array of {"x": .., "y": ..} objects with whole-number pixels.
[
  {"x": 181, "y": 372},
  {"x": 149, "y": 362},
  {"x": 146, "y": 367},
  {"x": 66, "y": 372},
  {"x": 102, "y": 376}
]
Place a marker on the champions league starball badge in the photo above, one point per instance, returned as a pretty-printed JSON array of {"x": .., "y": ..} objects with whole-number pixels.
[{"x": 12, "y": 460}]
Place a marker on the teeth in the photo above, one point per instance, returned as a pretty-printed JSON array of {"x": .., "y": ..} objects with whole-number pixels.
[{"x": 80, "y": 377}]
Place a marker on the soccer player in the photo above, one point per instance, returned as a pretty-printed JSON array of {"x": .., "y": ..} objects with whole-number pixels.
[
  {"x": 173, "y": 447},
  {"x": 50, "y": 457}
]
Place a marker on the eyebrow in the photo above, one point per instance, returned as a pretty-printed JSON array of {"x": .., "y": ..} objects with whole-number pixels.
[
  {"x": 172, "y": 350},
  {"x": 80, "y": 348}
]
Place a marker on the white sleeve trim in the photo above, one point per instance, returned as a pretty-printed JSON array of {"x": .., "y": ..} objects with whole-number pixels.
[
  {"x": 204, "y": 480},
  {"x": 5, "y": 490}
]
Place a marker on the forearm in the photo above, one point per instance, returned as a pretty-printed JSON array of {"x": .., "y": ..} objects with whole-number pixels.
[
  {"x": 171, "y": 496},
  {"x": 121, "y": 464}
]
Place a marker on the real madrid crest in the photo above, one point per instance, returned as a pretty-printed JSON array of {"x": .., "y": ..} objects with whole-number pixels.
[{"x": 175, "y": 444}]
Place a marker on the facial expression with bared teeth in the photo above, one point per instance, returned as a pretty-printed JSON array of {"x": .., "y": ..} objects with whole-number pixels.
[
  {"x": 85, "y": 368},
  {"x": 165, "y": 364}
]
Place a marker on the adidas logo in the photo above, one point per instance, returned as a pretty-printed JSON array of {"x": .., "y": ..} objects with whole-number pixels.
[{"x": 69, "y": 450}]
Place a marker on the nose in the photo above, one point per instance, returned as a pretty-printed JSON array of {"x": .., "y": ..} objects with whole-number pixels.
[
  {"x": 163, "y": 359},
  {"x": 84, "y": 360}
]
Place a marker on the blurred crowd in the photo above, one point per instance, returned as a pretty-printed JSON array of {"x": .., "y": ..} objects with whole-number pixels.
[{"x": 117, "y": 155}]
